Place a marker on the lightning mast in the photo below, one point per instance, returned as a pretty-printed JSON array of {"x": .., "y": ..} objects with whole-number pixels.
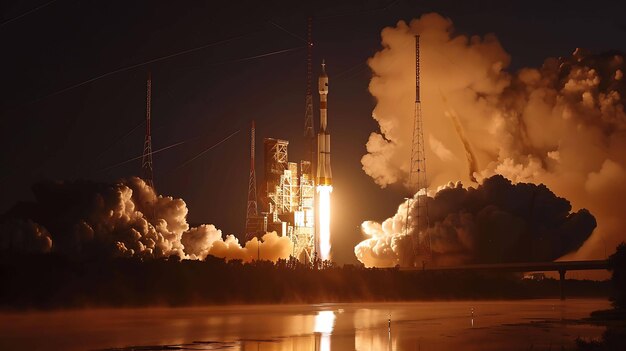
[
  {"x": 417, "y": 173},
  {"x": 146, "y": 160},
  {"x": 309, "y": 130},
  {"x": 252, "y": 210}
]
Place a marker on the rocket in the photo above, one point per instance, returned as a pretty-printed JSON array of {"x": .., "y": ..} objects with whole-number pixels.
[{"x": 324, "y": 174}]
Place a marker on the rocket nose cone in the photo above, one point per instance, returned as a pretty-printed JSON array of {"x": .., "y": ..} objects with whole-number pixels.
[{"x": 323, "y": 74}]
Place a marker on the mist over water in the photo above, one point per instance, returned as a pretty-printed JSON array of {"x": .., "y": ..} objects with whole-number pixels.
[{"x": 466, "y": 325}]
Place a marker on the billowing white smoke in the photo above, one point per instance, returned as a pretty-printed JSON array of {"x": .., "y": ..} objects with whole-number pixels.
[
  {"x": 495, "y": 222},
  {"x": 207, "y": 240},
  {"x": 562, "y": 125},
  {"x": 25, "y": 236},
  {"x": 124, "y": 219}
]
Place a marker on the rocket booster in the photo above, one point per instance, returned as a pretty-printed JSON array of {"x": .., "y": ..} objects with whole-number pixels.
[{"x": 324, "y": 174}]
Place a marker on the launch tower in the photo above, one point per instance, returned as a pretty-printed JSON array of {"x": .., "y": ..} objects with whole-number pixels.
[
  {"x": 255, "y": 224},
  {"x": 417, "y": 175},
  {"x": 146, "y": 160},
  {"x": 309, "y": 129},
  {"x": 289, "y": 198}
]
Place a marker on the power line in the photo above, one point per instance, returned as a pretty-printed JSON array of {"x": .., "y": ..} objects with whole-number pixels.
[
  {"x": 110, "y": 146},
  {"x": 80, "y": 169},
  {"x": 140, "y": 156},
  {"x": 288, "y": 31},
  {"x": 207, "y": 150},
  {"x": 162, "y": 58},
  {"x": 361, "y": 12},
  {"x": 248, "y": 58},
  {"x": 26, "y": 13},
  {"x": 123, "y": 69}
]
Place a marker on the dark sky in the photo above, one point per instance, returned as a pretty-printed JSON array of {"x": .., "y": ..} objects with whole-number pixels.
[{"x": 201, "y": 97}]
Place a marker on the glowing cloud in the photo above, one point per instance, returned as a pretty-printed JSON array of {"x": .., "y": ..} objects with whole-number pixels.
[
  {"x": 562, "y": 124},
  {"x": 123, "y": 219}
]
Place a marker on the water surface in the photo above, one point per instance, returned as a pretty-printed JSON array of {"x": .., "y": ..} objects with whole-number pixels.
[{"x": 441, "y": 326}]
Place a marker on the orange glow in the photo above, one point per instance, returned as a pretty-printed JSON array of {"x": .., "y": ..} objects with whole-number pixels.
[{"x": 324, "y": 216}]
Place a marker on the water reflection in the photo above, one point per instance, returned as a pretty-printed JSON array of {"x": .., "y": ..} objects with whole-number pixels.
[
  {"x": 445, "y": 326},
  {"x": 324, "y": 324}
]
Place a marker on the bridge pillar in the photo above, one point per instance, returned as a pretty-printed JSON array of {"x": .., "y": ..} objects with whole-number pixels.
[{"x": 562, "y": 283}]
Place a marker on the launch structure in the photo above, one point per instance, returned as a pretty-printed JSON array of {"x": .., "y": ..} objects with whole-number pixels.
[
  {"x": 287, "y": 196},
  {"x": 255, "y": 224},
  {"x": 417, "y": 174},
  {"x": 309, "y": 128},
  {"x": 146, "y": 160},
  {"x": 295, "y": 197}
]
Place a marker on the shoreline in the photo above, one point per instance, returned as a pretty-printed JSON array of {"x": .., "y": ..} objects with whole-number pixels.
[{"x": 251, "y": 305}]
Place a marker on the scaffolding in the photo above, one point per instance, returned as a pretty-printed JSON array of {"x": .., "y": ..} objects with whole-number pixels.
[{"x": 289, "y": 198}]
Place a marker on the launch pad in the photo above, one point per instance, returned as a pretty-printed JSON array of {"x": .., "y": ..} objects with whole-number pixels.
[
  {"x": 295, "y": 197},
  {"x": 290, "y": 193}
]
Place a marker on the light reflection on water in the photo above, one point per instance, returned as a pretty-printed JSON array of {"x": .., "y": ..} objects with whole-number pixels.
[
  {"x": 324, "y": 324},
  {"x": 445, "y": 326}
]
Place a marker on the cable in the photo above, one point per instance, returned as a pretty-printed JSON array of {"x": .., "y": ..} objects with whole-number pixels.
[
  {"x": 260, "y": 56},
  {"x": 123, "y": 69},
  {"x": 26, "y": 13},
  {"x": 287, "y": 31},
  {"x": 138, "y": 157},
  {"x": 360, "y": 12},
  {"x": 206, "y": 150},
  {"x": 344, "y": 72},
  {"x": 110, "y": 146}
]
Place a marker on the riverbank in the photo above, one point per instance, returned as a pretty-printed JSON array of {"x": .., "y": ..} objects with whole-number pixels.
[
  {"x": 613, "y": 338},
  {"x": 50, "y": 282}
]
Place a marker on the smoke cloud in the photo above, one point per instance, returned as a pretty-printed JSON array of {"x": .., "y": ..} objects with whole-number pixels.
[
  {"x": 87, "y": 219},
  {"x": 495, "y": 222},
  {"x": 562, "y": 124}
]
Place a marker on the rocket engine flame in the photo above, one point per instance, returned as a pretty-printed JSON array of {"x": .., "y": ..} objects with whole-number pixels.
[{"x": 324, "y": 220}]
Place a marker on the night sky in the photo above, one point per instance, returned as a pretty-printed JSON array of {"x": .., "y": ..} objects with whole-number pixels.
[{"x": 203, "y": 96}]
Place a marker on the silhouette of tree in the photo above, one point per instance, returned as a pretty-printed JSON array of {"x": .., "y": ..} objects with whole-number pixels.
[{"x": 617, "y": 264}]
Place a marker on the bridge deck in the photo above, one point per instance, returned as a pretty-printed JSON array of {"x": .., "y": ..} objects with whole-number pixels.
[{"x": 521, "y": 267}]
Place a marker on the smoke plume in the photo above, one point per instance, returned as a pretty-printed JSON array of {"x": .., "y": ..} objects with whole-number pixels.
[
  {"x": 495, "y": 222},
  {"x": 562, "y": 124},
  {"x": 88, "y": 219}
]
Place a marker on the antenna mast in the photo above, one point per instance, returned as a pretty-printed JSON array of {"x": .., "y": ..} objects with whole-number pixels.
[
  {"x": 309, "y": 132},
  {"x": 146, "y": 160},
  {"x": 252, "y": 208},
  {"x": 417, "y": 174}
]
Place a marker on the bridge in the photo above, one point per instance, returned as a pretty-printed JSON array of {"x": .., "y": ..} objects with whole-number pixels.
[{"x": 561, "y": 267}]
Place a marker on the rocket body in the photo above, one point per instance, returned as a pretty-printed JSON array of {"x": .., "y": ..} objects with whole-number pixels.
[
  {"x": 324, "y": 177},
  {"x": 324, "y": 173}
]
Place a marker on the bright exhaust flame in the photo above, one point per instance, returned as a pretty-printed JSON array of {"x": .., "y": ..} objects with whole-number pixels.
[{"x": 324, "y": 217}]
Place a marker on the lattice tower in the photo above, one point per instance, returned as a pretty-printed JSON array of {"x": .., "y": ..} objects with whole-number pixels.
[
  {"x": 147, "y": 172},
  {"x": 417, "y": 175}
]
